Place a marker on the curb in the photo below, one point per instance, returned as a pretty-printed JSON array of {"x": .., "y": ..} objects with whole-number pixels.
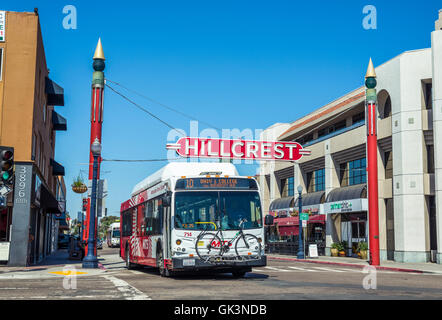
[{"x": 350, "y": 265}]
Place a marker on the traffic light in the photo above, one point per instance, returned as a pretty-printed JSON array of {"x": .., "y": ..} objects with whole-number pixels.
[
  {"x": 6, "y": 165},
  {"x": 85, "y": 204}
]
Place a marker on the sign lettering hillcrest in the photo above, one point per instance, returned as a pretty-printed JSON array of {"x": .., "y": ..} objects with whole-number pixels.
[{"x": 238, "y": 149}]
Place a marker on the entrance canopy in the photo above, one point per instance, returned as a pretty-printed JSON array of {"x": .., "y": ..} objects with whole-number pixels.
[
  {"x": 357, "y": 191},
  {"x": 347, "y": 200},
  {"x": 283, "y": 204}
]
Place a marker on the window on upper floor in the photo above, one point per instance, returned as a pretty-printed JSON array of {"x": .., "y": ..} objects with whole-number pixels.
[
  {"x": 330, "y": 129},
  {"x": 430, "y": 158},
  {"x": 387, "y": 108},
  {"x": 358, "y": 117},
  {"x": 388, "y": 164},
  {"x": 319, "y": 180},
  {"x": 316, "y": 180},
  {"x": 305, "y": 139},
  {"x": 353, "y": 172},
  {"x": 337, "y": 126},
  {"x": 288, "y": 187},
  {"x": 357, "y": 172},
  {"x": 428, "y": 94}
]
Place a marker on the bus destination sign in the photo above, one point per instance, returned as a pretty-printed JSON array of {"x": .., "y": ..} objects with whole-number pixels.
[{"x": 215, "y": 183}]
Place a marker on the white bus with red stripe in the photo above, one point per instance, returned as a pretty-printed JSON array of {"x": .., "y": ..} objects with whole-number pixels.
[{"x": 168, "y": 210}]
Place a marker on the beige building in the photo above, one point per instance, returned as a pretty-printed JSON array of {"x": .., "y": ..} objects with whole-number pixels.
[
  {"x": 29, "y": 123},
  {"x": 409, "y": 161}
]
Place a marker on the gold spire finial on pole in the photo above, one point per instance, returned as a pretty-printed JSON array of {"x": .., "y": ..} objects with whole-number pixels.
[
  {"x": 99, "y": 51},
  {"x": 370, "y": 71}
]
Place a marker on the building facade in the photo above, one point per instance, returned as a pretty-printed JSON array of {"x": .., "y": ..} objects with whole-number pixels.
[
  {"x": 334, "y": 177},
  {"x": 29, "y": 123}
]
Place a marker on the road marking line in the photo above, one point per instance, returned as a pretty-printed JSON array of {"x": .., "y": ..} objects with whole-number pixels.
[
  {"x": 351, "y": 270},
  {"x": 326, "y": 269},
  {"x": 128, "y": 291},
  {"x": 302, "y": 269},
  {"x": 276, "y": 269},
  {"x": 67, "y": 273}
]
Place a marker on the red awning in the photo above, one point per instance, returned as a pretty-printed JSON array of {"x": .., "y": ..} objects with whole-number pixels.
[{"x": 289, "y": 231}]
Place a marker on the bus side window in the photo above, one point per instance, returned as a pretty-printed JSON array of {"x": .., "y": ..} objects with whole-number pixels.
[
  {"x": 148, "y": 217},
  {"x": 127, "y": 224}
]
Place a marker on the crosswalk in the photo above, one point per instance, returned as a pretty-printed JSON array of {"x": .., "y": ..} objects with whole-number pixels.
[{"x": 311, "y": 269}]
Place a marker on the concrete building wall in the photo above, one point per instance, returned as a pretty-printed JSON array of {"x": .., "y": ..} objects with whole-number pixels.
[
  {"x": 436, "y": 59},
  {"x": 404, "y": 86},
  {"x": 26, "y": 125}
]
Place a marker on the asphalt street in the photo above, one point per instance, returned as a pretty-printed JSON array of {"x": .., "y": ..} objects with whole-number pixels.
[{"x": 279, "y": 280}]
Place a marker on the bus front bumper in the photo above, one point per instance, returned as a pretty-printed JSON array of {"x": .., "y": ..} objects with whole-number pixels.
[{"x": 197, "y": 264}]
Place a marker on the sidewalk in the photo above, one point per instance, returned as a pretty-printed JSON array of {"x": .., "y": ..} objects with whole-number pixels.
[
  {"x": 51, "y": 266},
  {"x": 359, "y": 263}
]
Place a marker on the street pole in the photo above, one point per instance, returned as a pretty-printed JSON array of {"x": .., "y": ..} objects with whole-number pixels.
[
  {"x": 96, "y": 117},
  {"x": 300, "y": 237},
  {"x": 91, "y": 261},
  {"x": 372, "y": 164}
]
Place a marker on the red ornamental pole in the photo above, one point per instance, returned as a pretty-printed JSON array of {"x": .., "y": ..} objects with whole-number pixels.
[
  {"x": 96, "y": 118},
  {"x": 372, "y": 165}
]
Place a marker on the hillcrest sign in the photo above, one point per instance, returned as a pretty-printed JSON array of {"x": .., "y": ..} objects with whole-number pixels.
[{"x": 238, "y": 149}]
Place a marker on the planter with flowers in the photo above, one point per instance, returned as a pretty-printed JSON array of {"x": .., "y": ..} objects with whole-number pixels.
[{"x": 78, "y": 185}]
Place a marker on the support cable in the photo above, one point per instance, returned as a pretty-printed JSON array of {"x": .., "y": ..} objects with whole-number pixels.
[{"x": 163, "y": 105}]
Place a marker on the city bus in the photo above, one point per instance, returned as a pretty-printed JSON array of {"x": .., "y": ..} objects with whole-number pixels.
[
  {"x": 113, "y": 235},
  {"x": 191, "y": 217}
]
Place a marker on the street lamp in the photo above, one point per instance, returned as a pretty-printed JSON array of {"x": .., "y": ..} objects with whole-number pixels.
[
  {"x": 300, "y": 239},
  {"x": 91, "y": 261}
]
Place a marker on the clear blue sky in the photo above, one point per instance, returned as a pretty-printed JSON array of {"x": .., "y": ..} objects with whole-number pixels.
[{"x": 235, "y": 64}]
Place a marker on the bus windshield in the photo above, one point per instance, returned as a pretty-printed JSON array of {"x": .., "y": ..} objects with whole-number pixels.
[
  {"x": 115, "y": 233},
  {"x": 205, "y": 209}
]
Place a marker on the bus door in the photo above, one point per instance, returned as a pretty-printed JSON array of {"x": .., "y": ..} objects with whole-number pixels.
[{"x": 166, "y": 230}]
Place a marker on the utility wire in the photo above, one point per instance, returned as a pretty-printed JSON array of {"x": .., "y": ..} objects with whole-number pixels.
[
  {"x": 144, "y": 110},
  {"x": 144, "y": 160},
  {"x": 163, "y": 105}
]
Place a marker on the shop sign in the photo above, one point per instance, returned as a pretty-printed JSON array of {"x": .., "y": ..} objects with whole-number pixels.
[
  {"x": 315, "y": 209},
  {"x": 354, "y": 205},
  {"x": 2, "y": 26},
  {"x": 238, "y": 149},
  {"x": 4, "y": 251},
  {"x": 303, "y": 216},
  {"x": 313, "y": 251}
]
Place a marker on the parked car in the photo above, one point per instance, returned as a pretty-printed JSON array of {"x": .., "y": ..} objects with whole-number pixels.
[
  {"x": 63, "y": 241},
  {"x": 99, "y": 244}
]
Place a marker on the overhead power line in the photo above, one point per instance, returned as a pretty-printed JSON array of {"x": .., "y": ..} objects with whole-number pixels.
[
  {"x": 163, "y": 105},
  {"x": 141, "y": 160},
  {"x": 144, "y": 110}
]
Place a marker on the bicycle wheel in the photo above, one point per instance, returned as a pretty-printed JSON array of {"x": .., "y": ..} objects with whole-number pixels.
[
  {"x": 248, "y": 247},
  {"x": 208, "y": 247}
]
